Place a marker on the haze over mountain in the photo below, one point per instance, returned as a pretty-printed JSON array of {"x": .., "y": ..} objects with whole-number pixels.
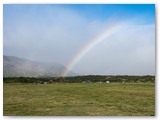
[{"x": 19, "y": 67}]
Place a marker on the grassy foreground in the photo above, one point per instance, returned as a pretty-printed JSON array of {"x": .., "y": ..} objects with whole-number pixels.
[{"x": 78, "y": 99}]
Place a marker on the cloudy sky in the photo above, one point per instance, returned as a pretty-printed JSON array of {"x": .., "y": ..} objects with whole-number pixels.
[{"x": 61, "y": 33}]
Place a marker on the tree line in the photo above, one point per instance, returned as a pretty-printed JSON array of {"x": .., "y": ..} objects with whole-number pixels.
[{"x": 80, "y": 79}]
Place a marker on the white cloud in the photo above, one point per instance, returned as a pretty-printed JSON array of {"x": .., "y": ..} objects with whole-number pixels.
[
  {"x": 57, "y": 34},
  {"x": 129, "y": 51}
]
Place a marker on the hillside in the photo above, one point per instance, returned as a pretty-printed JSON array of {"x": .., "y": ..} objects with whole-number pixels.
[{"x": 19, "y": 67}]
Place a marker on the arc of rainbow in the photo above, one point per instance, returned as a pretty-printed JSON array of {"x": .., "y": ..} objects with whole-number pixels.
[{"x": 82, "y": 52}]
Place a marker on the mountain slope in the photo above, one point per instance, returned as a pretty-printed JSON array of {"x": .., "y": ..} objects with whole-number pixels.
[{"x": 19, "y": 67}]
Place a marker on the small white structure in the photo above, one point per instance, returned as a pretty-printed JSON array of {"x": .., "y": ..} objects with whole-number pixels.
[
  {"x": 123, "y": 80},
  {"x": 87, "y": 81},
  {"x": 45, "y": 82},
  {"x": 107, "y": 82}
]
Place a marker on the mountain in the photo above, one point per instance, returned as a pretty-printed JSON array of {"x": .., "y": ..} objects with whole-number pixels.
[{"x": 19, "y": 67}]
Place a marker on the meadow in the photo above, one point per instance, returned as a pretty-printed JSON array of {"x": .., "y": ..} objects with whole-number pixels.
[{"x": 79, "y": 99}]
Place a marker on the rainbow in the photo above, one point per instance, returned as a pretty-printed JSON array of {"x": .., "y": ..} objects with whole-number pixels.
[{"x": 111, "y": 29}]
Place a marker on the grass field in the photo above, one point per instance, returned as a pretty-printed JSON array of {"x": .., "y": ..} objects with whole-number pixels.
[{"x": 78, "y": 99}]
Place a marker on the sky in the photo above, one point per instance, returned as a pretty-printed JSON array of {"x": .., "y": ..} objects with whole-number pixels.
[{"x": 90, "y": 39}]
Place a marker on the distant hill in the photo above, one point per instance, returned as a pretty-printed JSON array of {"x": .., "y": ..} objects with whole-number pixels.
[{"x": 19, "y": 67}]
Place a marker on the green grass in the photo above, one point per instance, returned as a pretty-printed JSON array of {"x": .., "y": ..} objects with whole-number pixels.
[{"x": 78, "y": 99}]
